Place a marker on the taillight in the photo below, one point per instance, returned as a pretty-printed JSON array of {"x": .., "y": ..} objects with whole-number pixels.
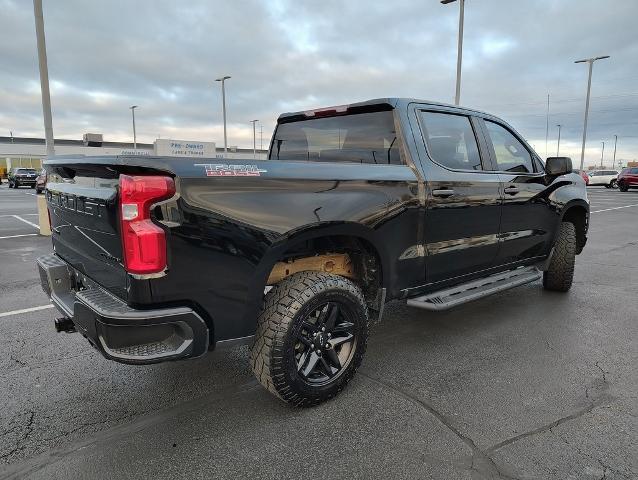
[{"x": 143, "y": 242}]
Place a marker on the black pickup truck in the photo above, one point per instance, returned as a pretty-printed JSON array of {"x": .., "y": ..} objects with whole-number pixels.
[{"x": 159, "y": 258}]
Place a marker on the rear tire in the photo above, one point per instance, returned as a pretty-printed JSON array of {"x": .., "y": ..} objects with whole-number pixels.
[
  {"x": 560, "y": 274},
  {"x": 293, "y": 356}
]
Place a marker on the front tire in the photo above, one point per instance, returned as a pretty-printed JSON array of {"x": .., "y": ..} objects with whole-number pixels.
[
  {"x": 311, "y": 337},
  {"x": 613, "y": 183},
  {"x": 560, "y": 274},
  {"x": 623, "y": 187}
]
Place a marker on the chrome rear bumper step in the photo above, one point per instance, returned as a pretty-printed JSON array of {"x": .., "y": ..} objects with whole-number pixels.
[{"x": 459, "y": 294}]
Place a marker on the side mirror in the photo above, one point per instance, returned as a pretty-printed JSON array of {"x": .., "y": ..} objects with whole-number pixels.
[{"x": 558, "y": 165}]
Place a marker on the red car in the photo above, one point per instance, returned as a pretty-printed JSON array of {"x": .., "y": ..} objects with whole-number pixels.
[
  {"x": 583, "y": 175},
  {"x": 628, "y": 178}
]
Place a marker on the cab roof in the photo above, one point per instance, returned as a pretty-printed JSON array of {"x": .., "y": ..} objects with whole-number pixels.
[{"x": 388, "y": 103}]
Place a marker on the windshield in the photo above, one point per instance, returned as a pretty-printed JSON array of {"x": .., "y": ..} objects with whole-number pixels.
[
  {"x": 25, "y": 170},
  {"x": 360, "y": 138}
]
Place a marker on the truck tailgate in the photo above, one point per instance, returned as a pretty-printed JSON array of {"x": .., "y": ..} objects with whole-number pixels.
[{"x": 85, "y": 225}]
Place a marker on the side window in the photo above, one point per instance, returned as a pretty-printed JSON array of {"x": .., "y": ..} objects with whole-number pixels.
[
  {"x": 511, "y": 155},
  {"x": 451, "y": 141}
]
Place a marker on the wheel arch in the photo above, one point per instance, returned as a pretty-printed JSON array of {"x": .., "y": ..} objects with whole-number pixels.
[{"x": 577, "y": 212}]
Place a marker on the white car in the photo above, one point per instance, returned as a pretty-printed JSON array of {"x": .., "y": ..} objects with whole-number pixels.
[{"x": 608, "y": 178}]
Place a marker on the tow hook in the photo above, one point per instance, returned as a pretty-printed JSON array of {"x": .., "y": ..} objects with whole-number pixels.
[{"x": 64, "y": 324}]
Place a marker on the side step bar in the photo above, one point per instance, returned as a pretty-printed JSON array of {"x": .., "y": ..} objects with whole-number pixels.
[{"x": 453, "y": 296}]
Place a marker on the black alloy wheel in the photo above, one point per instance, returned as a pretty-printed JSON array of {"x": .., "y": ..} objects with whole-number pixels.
[{"x": 326, "y": 344}]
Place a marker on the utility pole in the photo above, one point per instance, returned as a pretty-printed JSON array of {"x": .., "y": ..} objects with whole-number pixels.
[
  {"x": 254, "y": 138},
  {"x": 558, "y": 145},
  {"x": 133, "y": 107},
  {"x": 44, "y": 76},
  {"x": 223, "y": 81},
  {"x": 459, "y": 55},
  {"x": 613, "y": 165},
  {"x": 589, "y": 61}
]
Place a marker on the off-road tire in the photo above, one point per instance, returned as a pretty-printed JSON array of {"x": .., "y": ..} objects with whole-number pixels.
[
  {"x": 285, "y": 308},
  {"x": 560, "y": 274}
]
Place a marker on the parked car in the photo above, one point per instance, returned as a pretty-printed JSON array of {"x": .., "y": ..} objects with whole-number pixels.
[
  {"x": 628, "y": 178},
  {"x": 389, "y": 199},
  {"x": 608, "y": 178},
  {"x": 583, "y": 175},
  {"x": 41, "y": 181},
  {"x": 22, "y": 176}
]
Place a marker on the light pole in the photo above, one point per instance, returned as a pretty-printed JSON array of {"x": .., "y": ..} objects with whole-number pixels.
[
  {"x": 558, "y": 144},
  {"x": 254, "y": 138},
  {"x": 459, "y": 55},
  {"x": 590, "y": 61},
  {"x": 223, "y": 80},
  {"x": 547, "y": 126},
  {"x": 133, "y": 107},
  {"x": 44, "y": 76},
  {"x": 261, "y": 136},
  {"x": 613, "y": 165},
  {"x": 602, "y": 154}
]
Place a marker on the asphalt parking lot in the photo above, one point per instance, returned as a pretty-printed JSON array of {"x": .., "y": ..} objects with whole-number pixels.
[{"x": 526, "y": 384}]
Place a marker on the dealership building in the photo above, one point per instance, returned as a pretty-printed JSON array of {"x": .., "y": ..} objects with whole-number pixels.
[{"x": 29, "y": 152}]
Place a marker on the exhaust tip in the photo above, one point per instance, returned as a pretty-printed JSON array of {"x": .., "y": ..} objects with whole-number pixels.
[{"x": 64, "y": 324}]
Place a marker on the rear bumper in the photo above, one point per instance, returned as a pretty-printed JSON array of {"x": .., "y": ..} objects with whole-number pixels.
[
  {"x": 25, "y": 181},
  {"x": 119, "y": 332}
]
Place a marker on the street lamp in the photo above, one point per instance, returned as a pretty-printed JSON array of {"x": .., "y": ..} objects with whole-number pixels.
[
  {"x": 590, "y": 61},
  {"x": 223, "y": 80},
  {"x": 254, "y": 138},
  {"x": 602, "y": 154},
  {"x": 44, "y": 76},
  {"x": 558, "y": 144},
  {"x": 613, "y": 165},
  {"x": 459, "y": 55},
  {"x": 133, "y": 107}
]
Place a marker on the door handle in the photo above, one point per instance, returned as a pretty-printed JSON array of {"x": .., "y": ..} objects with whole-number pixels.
[
  {"x": 511, "y": 190},
  {"x": 445, "y": 192}
]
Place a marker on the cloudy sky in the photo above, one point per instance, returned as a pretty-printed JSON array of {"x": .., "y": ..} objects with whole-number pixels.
[{"x": 298, "y": 54}]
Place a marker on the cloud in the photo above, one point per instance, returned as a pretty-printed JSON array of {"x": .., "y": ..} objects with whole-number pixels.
[{"x": 292, "y": 55}]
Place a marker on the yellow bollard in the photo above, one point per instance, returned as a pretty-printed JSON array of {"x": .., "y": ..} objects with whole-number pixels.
[{"x": 43, "y": 216}]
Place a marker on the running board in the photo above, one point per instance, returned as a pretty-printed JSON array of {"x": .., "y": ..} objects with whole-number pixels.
[{"x": 451, "y": 297}]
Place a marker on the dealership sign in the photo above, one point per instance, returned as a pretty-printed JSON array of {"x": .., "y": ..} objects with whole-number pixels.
[{"x": 184, "y": 148}]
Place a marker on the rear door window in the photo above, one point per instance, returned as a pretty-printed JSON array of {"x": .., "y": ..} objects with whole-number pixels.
[
  {"x": 510, "y": 154},
  {"x": 451, "y": 141},
  {"x": 357, "y": 138}
]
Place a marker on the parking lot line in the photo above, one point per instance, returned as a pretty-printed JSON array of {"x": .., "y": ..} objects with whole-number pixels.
[
  {"x": 26, "y": 221},
  {"x": 23, "y": 235},
  {"x": 23, "y": 214},
  {"x": 25, "y": 310},
  {"x": 615, "y": 208}
]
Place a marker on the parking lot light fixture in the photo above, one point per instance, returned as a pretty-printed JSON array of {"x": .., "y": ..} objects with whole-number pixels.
[
  {"x": 254, "y": 138},
  {"x": 133, "y": 107},
  {"x": 223, "y": 82},
  {"x": 589, "y": 61},
  {"x": 558, "y": 144},
  {"x": 459, "y": 55},
  {"x": 613, "y": 165}
]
